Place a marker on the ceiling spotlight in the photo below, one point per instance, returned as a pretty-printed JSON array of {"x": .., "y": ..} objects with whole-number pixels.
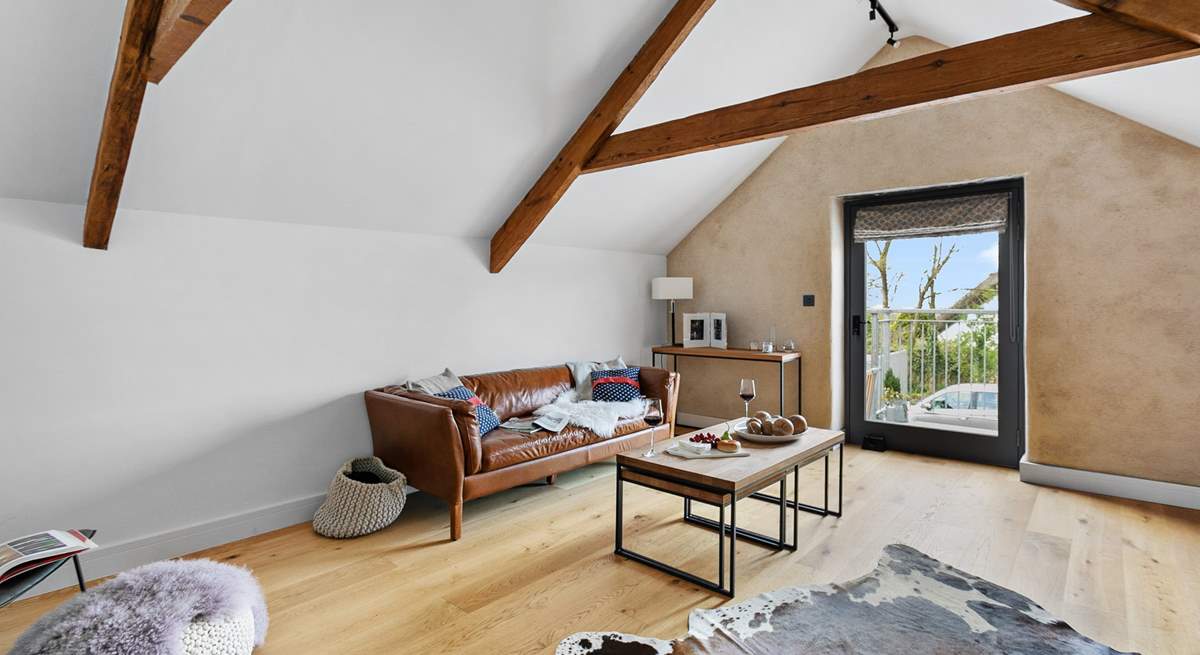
[{"x": 877, "y": 11}]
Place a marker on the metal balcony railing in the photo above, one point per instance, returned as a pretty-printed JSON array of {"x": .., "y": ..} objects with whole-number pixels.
[{"x": 914, "y": 353}]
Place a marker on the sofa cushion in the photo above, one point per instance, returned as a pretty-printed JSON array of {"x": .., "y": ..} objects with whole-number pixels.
[
  {"x": 503, "y": 447},
  {"x": 617, "y": 385},
  {"x": 487, "y": 418},
  {"x": 519, "y": 392},
  {"x": 434, "y": 384},
  {"x": 581, "y": 374}
]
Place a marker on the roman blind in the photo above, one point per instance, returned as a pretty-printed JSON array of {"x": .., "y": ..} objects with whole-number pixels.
[{"x": 939, "y": 217}]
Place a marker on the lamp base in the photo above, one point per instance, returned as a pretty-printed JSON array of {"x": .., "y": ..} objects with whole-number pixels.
[{"x": 671, "y": 315}]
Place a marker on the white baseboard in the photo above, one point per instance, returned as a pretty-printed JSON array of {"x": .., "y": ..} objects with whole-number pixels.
[
  {"x": 698, "y": 420},
  {"x": 110, "y": 559},
  {"x": 1107, "y": 484}
]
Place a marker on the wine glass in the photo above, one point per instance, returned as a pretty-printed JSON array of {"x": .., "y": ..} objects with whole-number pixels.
[
  {"x": 654, "y": 418},
  {"x": 747, "y": 392}
]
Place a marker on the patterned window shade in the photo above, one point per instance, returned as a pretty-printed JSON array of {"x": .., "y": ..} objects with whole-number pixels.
[{"x": 923, "y": 218}]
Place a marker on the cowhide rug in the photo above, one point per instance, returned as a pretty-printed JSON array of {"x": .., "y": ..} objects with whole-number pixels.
[{"x": 911, "y": 603}]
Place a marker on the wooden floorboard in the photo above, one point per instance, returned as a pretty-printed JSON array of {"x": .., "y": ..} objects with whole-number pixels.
[{"x": 536, "y": 563}]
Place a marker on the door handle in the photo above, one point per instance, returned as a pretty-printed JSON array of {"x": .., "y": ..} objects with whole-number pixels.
[{"x": 856, "y": 324}]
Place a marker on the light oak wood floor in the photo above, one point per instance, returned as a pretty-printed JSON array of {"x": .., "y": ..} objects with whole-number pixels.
[{"x": 536, "y": 563}]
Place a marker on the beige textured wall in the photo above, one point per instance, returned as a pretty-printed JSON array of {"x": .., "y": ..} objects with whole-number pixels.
[{"x": 1112, "y": 270}]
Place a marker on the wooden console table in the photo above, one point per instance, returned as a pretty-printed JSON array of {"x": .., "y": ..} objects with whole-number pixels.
[{"x": 779, "y": 358}]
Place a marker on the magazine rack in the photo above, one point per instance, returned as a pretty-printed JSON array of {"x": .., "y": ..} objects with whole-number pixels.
[{"x": 20, "y": 585}]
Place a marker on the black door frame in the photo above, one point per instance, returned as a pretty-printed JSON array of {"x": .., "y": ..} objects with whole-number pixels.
[{"x": 1005, "y": 449}]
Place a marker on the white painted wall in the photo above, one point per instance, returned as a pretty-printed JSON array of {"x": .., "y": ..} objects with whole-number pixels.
[{"x": 204, "y": 368}]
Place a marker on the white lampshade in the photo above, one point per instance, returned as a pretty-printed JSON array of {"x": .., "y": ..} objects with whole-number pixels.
[{"x": 671, "y": 288}]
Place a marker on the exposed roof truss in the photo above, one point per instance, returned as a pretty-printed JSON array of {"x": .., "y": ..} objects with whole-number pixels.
[{"x": 1121, "y": 34}]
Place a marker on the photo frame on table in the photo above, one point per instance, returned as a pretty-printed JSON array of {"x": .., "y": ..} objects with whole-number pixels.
[
  {"x": 696, "y": 330},
  {"x": 718, "y": 330}
]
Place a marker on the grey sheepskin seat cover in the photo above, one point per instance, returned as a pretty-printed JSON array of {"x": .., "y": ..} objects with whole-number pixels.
[
  {"x": 145, "y": 611},
  {"x": 911, "y": 604}
]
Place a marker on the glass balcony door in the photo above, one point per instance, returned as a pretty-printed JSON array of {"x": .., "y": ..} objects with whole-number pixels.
[{"x": 934, "y": 319}]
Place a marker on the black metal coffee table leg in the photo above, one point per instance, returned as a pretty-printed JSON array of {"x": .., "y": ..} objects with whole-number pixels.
[
  {"x": 718, "y": 586},
  {"x": 813, "y": 509}
]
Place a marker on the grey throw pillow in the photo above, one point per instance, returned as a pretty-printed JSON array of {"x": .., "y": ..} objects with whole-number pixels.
[
  {"x": 434, "y": 383},
  {"x": 581, "y": 374}
]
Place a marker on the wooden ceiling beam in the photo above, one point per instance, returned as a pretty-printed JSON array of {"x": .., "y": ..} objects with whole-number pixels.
[
  {"x": 1071, "y": 49},
  {"x": 598, "y": 126},
  {"x": 1180, "y": 18},
  {"x": 125, "y": 94},
  {"x": 180, "y": 23},
  {"x": 154, "y": 35}
]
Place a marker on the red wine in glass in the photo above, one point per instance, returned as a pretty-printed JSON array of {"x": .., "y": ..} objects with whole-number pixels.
[
  {"x": 654, "y": 418},
  {"x": 747, "y": 392}
]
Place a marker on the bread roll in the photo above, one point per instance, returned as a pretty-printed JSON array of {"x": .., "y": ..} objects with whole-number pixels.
[
  {"x": 764, "y": 417},
  {"x": 781, "y": 427},
  {"x": 799, "y": 424},
  {"x": 754, "y": 426}
]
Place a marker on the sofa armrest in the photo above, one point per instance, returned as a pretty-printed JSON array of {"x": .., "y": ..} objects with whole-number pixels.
[
  {"x": 664, "y": 385},
  {"x": 464, "y": 418},
  {"x": 421, "y": 440}
]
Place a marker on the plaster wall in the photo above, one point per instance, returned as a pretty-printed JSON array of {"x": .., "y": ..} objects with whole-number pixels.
[{"x": 1112, "y": 236}]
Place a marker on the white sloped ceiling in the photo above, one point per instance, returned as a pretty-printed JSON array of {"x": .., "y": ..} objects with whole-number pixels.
[{"x": 436, "y": 117}]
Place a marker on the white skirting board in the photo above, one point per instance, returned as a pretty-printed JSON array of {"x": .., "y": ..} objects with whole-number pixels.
[
  {"x": 1107, "y": 484},
  {"x": 110, "y": 559}
]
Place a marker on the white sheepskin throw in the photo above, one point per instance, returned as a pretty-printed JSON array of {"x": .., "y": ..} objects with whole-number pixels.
[
  {"x": 599, "y": 417},
  {"x": 147, "y": 610}
]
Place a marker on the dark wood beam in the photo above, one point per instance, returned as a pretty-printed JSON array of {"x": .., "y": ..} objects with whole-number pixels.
[
  {"x": 1179, "y": 18},
  {"x": 599, "y": 124},
  {"x": 125, "y": 93},
  {"x": 1075, "y": 48},
  {"x": 180, "y": 23}
]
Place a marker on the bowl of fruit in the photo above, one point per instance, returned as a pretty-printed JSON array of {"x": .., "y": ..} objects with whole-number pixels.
[{"x": 764, "y": 427}]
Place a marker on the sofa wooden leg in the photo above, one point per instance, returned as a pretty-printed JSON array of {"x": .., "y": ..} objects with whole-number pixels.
[
  {"x": 551, "y": 479},
  {"x": 455, "y": 521}
]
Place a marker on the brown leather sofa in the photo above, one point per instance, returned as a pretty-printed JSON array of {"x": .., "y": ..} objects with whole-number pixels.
[{"x": 435, "y": 441}]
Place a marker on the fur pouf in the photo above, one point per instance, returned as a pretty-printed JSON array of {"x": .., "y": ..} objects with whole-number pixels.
[{"x": 145, "y": 611}]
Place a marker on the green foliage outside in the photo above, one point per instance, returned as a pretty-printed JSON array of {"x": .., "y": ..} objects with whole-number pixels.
[{"x": 936, "y": 362}]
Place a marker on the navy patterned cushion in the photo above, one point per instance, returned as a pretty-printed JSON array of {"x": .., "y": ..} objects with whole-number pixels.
[
  {"x": 616, "y": 385},
  {"x": 487, "y": 418}
]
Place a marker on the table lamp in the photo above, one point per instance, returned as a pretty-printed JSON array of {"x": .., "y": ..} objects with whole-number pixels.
[{"x": 671, "y": 288}]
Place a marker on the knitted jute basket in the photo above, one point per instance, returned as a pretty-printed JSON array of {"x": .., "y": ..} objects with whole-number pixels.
[{"x": 352, "y": 508}]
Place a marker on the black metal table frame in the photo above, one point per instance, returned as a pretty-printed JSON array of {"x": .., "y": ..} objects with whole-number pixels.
[
  {"x": 782, "y": 368},
  {"x": 730, "y": 528}
]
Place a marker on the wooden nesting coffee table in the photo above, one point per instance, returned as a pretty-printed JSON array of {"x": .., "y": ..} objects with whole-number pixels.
[{"x": 721, "y": 483}]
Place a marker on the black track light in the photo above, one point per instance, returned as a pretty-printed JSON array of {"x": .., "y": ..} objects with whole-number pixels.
[{"x": 878, "y": 11}]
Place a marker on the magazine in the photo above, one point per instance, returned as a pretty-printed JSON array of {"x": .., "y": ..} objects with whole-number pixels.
[
  {"x": 29, "y": 552},
  {"x": 529, "y": 425}
]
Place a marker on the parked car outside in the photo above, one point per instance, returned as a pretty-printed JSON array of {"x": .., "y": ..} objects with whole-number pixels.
[{"x": 974, "y": 406}]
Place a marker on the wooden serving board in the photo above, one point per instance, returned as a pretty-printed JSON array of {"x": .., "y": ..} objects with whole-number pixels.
[{"x": 712, "y": 454}]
